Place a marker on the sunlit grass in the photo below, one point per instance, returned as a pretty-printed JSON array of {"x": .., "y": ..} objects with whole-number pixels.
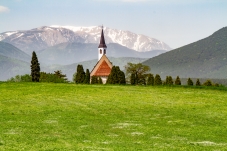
[{"x": 44, "y": 116}]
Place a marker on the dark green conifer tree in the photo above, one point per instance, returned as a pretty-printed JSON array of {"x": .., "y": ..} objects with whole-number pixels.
[
  {"x": 35, "y": 68},
  {"x": 100, "y": 80},
  {"x": 80, "y": 74},
  {"x": 167, "y": 81},
  {"x": 177, "y": 81},
  {"x": 190, "y": 82},
  {"x": 94, "y": 80},
  {"x": 157, "y": 80},
  {"x": 133, "y": 79},
  {"x": 170, "y": 80},
  {"x": 198, "y": 83},
  {"x": 150, "y": 80},
  {"x": 87, "y": 77},
  {"x": 121, "y": 77}
]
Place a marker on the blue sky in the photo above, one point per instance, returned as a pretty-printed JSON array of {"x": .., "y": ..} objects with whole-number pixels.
[{"x": 175, "y": 22}]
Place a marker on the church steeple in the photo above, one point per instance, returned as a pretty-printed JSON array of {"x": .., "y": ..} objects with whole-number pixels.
[{"x": 102, "y": 45}]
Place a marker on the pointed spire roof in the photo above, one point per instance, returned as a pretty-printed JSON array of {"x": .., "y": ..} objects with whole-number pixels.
[{"x": 102, "y": 43}]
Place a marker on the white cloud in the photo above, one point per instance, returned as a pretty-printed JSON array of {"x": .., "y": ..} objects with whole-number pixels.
[{"x": 3, "y": 9}]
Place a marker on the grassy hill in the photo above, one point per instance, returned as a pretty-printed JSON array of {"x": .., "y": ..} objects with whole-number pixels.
[
  {"x": 206, "y": 58},
  {"x": 11, "y": 51},
  {"x": 69, "y": 53},
  {"x": 82, "y": 117}
]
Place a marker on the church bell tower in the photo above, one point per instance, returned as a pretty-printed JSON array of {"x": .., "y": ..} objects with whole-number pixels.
[{"x": 102, "y": 45}]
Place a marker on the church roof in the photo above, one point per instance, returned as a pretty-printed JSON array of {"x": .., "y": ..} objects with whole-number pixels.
[
  {"x": 102, "y": 68},
  {"x": 102, "y": 43}
]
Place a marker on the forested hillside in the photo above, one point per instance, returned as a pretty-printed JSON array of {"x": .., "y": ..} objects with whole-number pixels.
[{"x": 206, "y": 58}]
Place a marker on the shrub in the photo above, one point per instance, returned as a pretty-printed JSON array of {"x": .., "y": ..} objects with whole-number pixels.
[
  {"x": 157, "y": 80},
  {"x": 198, "y": 83},
  {"x": 177, "y": 81},
  {"x": 150, "y": 80},
  {"x": 207, "y": 83},
  {"x": 190, "y": 82}
]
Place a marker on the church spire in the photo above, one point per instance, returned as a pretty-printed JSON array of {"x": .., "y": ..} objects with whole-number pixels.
[
  {"x": 102, "y": 43},
  {"x": 102, "y": 46}
]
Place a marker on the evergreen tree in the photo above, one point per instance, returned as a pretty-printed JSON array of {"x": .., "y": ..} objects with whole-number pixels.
[
  {"x": 167, "y": 81},
  {"x": 170, "y": 80},
  {"x": 198, "y": 83},
  {"x": 94, "y": 80},
  {"x": 133, "y": 79},
  {"x": 157, "y": 80},
  {"x": 110, "y": 79},
  {"x": 190, "y": 82},
  {"x": 80, "y": 74},
  {"x": 177, "y": 81},
  {"x": 35, "y": 68},
  {"x": 100, "y": 80},
  {"x": 121, "y": 77},
  {"x": 207, "y": 83},
  {"x": 87, "y": 77},
  {"x": 150, "y": 80}
]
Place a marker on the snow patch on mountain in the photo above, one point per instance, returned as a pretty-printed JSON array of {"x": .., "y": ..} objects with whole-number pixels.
[{"x": 46, "y": 36}]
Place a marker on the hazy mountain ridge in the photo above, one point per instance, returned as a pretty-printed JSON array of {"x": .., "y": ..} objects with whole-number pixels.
[
  {"x": 44, "y": 37},
  {"x": 68, "y": 53},
  {"x": 206, "y": 58},
  {"x": 9, "y": 50}
]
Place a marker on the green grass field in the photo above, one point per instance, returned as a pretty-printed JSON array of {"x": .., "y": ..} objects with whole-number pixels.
[{"x": 47, "y": 116}]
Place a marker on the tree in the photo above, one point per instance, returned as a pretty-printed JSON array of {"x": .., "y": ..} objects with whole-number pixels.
[
  {"x": 121, "y": 77},
  {"x": 207, "y": 83},
  {"x": 87, "y": 77},
  {"x": 190, "y": 82},
  {"x": 177, "y": 81},
  {"x": 169, "y": 80},
  {"x": 198, "y": 83},
  {"x": 157, "y": 80},
  {"x": 139, "y": 70},
  {"x": 35, "y": 68},
  {"x": 94, "y": 80},
  {"x": 133, "y": 79},
  {"x": 59, "y": 74},
  {"x": 79, "y": 76},
  {"x": 116, "y": 76},
  {"x": 100, "y": 80},
  {"x": 150, "y": 80}
]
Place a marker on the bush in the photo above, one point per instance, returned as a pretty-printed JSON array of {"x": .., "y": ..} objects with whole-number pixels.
[
  {"x": 177, "y": 81},
  {"x": 190, "y": 82},
  {"x": 150, "y": 80},
  {"x": 21, "y": 78},
  {"x": 157, "y": 80},
  {"x": 198, "y": 83},
  {"x": 207, "y": 83}
]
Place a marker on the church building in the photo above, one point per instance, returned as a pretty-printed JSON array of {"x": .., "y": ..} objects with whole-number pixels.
[{"x": 103, "y": 67}]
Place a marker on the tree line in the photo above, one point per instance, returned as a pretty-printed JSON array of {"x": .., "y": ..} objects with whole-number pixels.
[{"x": 136, "y": 74}]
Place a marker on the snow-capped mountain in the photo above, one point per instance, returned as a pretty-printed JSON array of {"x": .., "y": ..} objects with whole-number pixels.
[{"x": 47, "y": 36}]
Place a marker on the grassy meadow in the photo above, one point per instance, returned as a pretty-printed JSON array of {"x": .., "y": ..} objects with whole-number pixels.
[{"x": 48, "y": 116}]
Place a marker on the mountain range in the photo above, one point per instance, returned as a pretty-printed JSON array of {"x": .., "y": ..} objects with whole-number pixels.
[
  {"x": 41, "y": 38},
  {"x": 206, "y": 58}
]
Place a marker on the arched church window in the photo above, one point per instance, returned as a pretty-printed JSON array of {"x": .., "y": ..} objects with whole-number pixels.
[
  {"x": 100, "y": 51},
  {"x": 104, "y": 51}
]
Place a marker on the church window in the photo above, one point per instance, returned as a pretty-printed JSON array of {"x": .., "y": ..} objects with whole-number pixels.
[
  {"x": 104, "y": 51},
  {"x": 100, "y": 51}
]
